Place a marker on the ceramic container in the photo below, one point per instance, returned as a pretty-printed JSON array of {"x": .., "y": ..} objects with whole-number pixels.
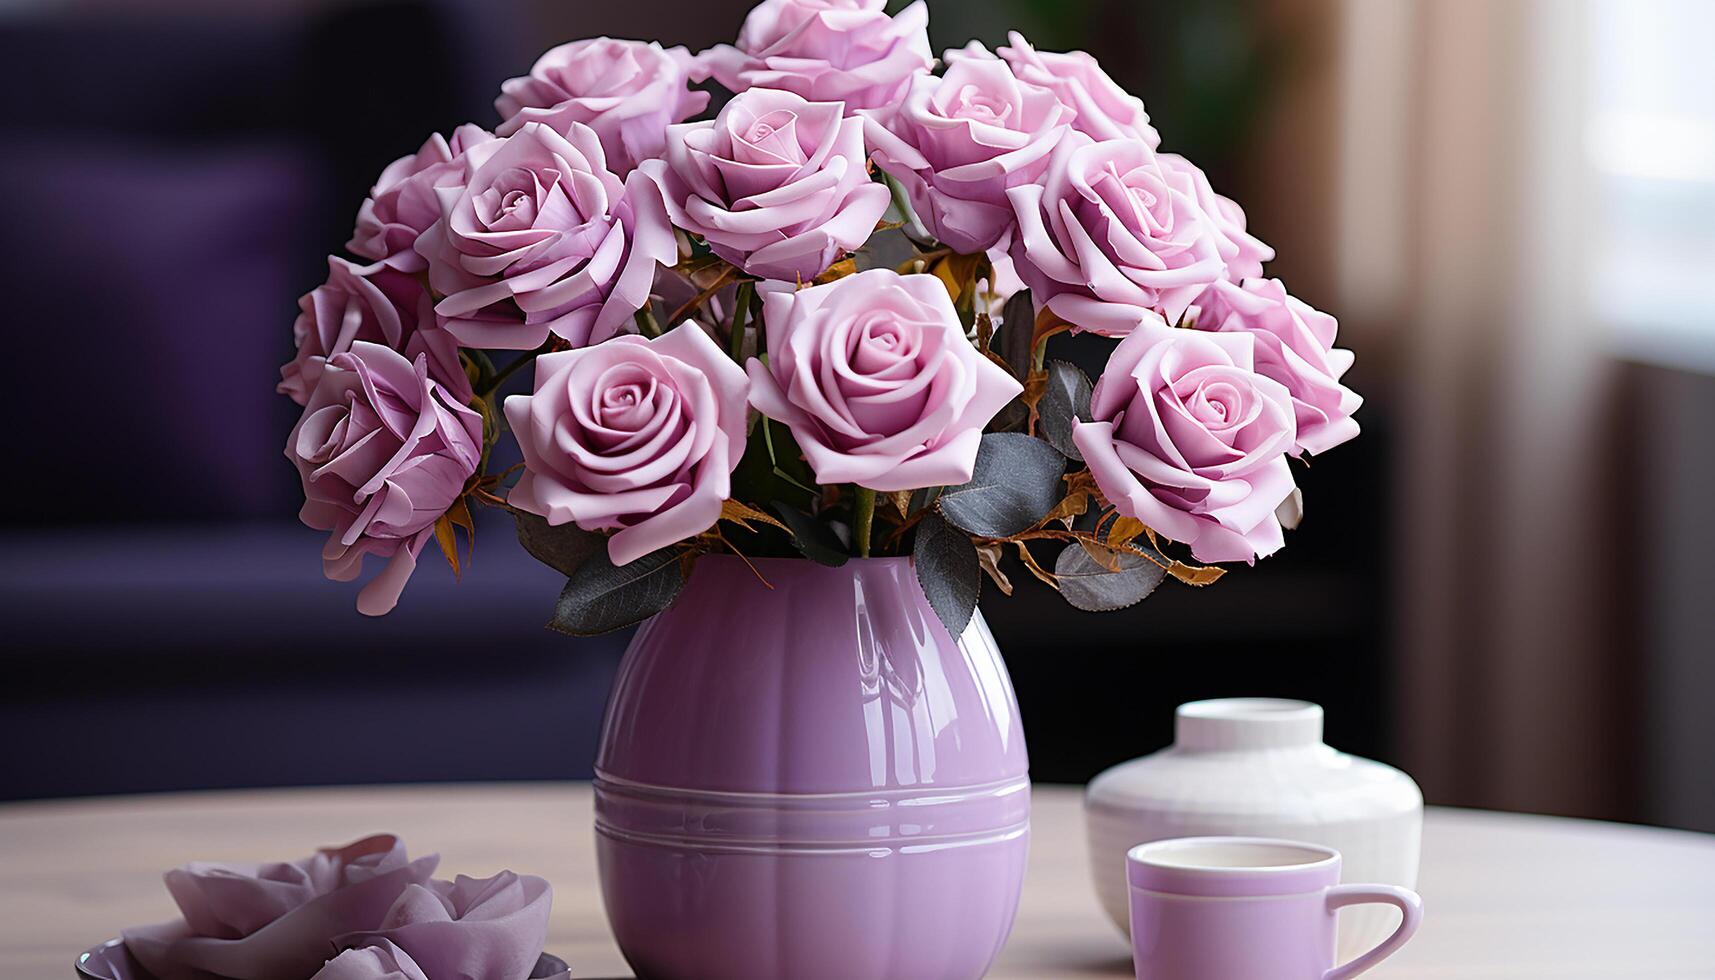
[
  {"x": 1249, "y": 907},
  {"x": 810, "y": 780},
  {"x": 1257, "y": 767}
]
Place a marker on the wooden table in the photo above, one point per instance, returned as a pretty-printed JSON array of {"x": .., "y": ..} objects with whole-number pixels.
[{"x": 1505, "y": 896}]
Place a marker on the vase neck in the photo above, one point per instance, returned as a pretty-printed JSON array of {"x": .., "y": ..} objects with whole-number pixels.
[{"x": 1247, "y": 723}]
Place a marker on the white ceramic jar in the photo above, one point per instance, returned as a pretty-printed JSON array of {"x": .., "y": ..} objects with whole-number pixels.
[{"x": 1257, "y": 767}]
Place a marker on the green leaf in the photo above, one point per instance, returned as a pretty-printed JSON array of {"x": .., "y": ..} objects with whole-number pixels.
[
  {"x": 1015, "y": 483},
  {"x": 1065, "y": 401},
  {"x": 600, "y": 597},
  {"x": 1018, "y": 332},
  {"x": 562, "y": 548},
  {"x": 949, "y": 571},
  {"x": 1089, "y": 586},
  {"x": 813, "y": 538}
]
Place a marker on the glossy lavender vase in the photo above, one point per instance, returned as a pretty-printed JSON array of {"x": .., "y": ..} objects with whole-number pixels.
[{"x": 813, "y": 780}]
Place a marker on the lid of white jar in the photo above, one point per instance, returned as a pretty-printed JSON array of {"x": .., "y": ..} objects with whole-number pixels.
[{"x": 1247, "y": 723}]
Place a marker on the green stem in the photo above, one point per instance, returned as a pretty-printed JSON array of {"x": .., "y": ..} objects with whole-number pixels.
[
  {"x": 646, "y": 324},
  {"x": 740, "y": 316},
  {"x": 499, "y": 377},
  {"x": 863, "y": 519}
]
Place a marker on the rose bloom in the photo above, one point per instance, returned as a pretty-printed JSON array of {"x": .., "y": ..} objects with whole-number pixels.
[
  {"x": 383, "y": 450},
  {"x": 636, "y": 435},
  {"x": 378, "y": 304},
  {"x": 877, "y": 381},
  {"x": 627, "y": 91},
  {"x": 1102, "y": 110},
  {"x": 846, "y": 51},
  {"x": 1243, "y": 252},
  {"x": 468, "y": 927},
  {"x": 402, "y": 204},
  {"x": 958, "y": 142},
  {"x": 1294, "y": 346},
  {"x": 776, "y": 185},
  {"x": 539, "y": 237},
  {"x": 1110, "y": 234},
  {"x": 1189, "y": 439},
  {"x": 276, "y": 920}
]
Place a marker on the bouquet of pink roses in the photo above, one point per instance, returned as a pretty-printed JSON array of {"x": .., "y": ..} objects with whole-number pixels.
[{"x": 813, "y": 322}]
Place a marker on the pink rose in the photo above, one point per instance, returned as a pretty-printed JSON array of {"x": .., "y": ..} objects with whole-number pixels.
[
  {"x": 275, "y": 921},
  {"x": 638, "y": 435},
  {"x": 958, "y": 142},
  {"x": 1294, "y": 346},
  {"x": 538, "y": 236},
  {"x": 1243, "y": 252},
  {"x": 776, "y": 185},
  {"x": 627, "y": 91},
  {"x": 402, "y": 204},
  {"x": 1110, "y": 234},
  {"x": 1103, "y": 110},
  {"x": 1187, "y": 438},
  {"x": 378, "y": 304},
  {"x": 383, "y": 450},
  {"x": 875, "y": 378},
  {"x": 468, "y": 928},
  {"x": 846, "y": 51}
]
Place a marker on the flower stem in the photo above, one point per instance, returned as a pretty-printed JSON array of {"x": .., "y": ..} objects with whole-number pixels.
[
  {"x": 499, "y": 377},
  {"x": 646, "y": 324},
  {"x": 864, "y": 517},
  {"x": 740, "y": 316}
]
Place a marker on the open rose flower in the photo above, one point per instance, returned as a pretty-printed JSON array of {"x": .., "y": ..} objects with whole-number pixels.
[
  {"x": 468, "y": 928},
  {"x": 378, "y": 304},
  {"x": 846, "y": 51},
  {"x": 636, "y": 435},
  {"x": 1110, "y": 234},
  {"x": 1243, "y": 252},
  {"x": 776, "y": 185},
  {"x": 627, "y": 91},
  {"x": 538, "y": 236},
  {"x": 1294, "y": 346},
  {"x": 402, "y": 205},
  {"x": 275, "y": 921},
  {"x": 1189, "y": 439},
  {"x": 958, "y": 142},
  {"x": 875, "y": 378},
  {"x": 1102, "y": 110},
  {"x": 383, "y": 450}
]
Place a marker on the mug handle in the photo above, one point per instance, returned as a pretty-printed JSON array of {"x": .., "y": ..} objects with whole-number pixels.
[{"x": 1407, "y": 901}]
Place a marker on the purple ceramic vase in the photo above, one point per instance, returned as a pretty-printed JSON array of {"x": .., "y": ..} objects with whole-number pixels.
[{"x": 810, "y": 780}]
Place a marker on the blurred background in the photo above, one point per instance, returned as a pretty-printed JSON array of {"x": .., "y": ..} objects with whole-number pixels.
[{"x": 1502, "y": 587}]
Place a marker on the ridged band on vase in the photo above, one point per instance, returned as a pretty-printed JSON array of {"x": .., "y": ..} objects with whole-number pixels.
[{"x": 916, "y": 818}]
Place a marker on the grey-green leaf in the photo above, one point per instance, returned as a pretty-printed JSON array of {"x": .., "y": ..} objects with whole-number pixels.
[
  {"x": 1065, "y": 401},
  {"x": 563, "y": 547},
  {"x": 1015, "y": 483},
  {"x": 948, "y": 570},
  {"x": 1017, "y": 332},
  {"x": 813, "y": 538},
  {"x": 1092, "y": 587},
  {"x": 601, "y": 597}
]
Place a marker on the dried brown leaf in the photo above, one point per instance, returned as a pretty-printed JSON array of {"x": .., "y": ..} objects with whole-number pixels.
[
  {"x": 839, "y": 270},
  {"x": 742, "y": 514},
  {"x": 988, "y": 558},
  {"x": 1123, "y": 530},
  {"x": 1037, "y": 570},
  {"x": 447, "y": 538}
]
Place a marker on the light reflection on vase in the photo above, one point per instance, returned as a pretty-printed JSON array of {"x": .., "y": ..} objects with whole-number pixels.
[{"x": 812, "y": 779}]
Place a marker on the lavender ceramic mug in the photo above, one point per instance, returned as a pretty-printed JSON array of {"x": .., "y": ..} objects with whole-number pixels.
[{"x": 1248, "y": 908}]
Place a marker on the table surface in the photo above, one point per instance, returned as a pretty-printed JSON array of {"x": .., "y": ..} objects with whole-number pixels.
[{"x": 1505, "y": 895}]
